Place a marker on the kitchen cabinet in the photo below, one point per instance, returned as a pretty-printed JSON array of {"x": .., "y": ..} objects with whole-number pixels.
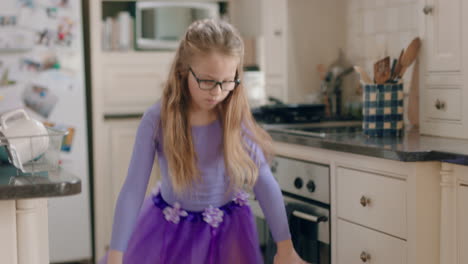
[
  {"x": 383, "y": 211},
  {"x": 374, "y": 200},
  {"x": 444, "y": 89},
  {"x": 275, "y": 32},
  {"x": 372, "y": 246},
  {"x": 266, "y": 21},
  {"x": 24, "y": 237},
  {"x": 463, "y": 223},
  {"x": 454, "y": 214},
  {"x": 120, "y": 136},
  {"x": 8, "y": 248},
  {"x": 132, "y": 82},
  {"x": 123, "y": 83},
  {"x": 443, "y": 21}
]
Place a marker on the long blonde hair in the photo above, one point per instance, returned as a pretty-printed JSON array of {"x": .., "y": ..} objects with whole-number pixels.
[{"x": 205, "y": 37}]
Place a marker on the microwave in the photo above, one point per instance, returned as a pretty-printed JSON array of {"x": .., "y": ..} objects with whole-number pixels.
[{"x": 161, "y": 25}]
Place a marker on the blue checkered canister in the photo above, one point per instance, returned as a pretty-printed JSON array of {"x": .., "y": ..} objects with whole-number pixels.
[{"x": 383, "y": 109}]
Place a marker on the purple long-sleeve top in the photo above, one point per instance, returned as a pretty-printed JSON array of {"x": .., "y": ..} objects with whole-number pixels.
[{"x": 208, "y": 144}]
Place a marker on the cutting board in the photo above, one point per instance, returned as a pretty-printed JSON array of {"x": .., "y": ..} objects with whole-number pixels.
[{"x": 413, "y": 97}]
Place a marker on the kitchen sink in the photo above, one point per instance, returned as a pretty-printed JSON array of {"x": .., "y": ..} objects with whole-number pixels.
[{"x": 319, "y": 129}]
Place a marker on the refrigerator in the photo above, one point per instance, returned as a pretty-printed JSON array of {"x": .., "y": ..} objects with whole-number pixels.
[{"x": 42, "y": 71}]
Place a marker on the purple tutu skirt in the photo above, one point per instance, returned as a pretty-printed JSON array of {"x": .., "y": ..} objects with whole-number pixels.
[{"x": 170, "y": 235}]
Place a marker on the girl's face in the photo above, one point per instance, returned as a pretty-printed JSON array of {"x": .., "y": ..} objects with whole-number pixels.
[{"x": 216, "y": 67}]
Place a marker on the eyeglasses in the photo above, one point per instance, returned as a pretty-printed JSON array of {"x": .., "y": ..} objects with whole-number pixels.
[{"x": 210, "y": 84}]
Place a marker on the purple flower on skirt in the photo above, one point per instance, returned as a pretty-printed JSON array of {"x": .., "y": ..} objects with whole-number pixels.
[
  {"x": 241, "y": 198},
  {"x": 173, "y": 214},
  {"x": 213, "y": 216}
]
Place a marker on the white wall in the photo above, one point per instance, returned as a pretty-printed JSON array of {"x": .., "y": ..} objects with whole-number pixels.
[
  {"x": 367, "y": 30},
  {"x": 316, "y": 31}
]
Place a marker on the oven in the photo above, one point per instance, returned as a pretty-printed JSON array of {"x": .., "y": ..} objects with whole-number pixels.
[{"x": 306, "y": 192}]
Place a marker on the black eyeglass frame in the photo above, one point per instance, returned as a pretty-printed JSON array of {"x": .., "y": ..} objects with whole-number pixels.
[{"x": 236, "y": 82}]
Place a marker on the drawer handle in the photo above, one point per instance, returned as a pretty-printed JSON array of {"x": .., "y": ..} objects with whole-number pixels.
[
  {"x": 440, "y": 105},
  {"x": 365, "y": 201},
  {"x": 365, "y": 256}
]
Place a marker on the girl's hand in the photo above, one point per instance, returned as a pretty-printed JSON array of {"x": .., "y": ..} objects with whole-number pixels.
[
  {"x": 114, "y": 257},
  {"x": 286, "y": 254}
]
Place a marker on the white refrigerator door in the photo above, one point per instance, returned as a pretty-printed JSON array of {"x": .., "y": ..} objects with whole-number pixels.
[{"x": 70, "y": 216}]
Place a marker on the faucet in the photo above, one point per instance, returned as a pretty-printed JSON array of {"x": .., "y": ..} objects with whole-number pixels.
[{"x": 337, "y": 91}]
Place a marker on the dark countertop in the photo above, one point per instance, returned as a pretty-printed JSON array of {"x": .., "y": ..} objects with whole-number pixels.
[
  {"x": 52, "y": 184},
  {"x": 410, "y": 147}
]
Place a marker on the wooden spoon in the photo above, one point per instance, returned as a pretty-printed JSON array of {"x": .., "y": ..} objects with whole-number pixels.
[
  {"x": 398, "y": 66},
  {"x": 382, "y": 70},
  {"x": 364, "y": 76},
  {"x": 410, "y": 55}
]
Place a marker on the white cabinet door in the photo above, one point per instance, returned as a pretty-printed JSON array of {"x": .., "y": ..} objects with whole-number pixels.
[
  {"x": 122, "y": 136},
  {"x": 119, "y": 143},
  {"x": 8, "y": 243},
  {"x": 462, "y": 224},
  {"x": 357, "y": 245},
  {"x": 133, "y": 82},
  {"x": 275, "y": 47},
  {"x": 372, "y": 200},
  {"x": 275, "y": 29},
  {"x": 271, "y": 33},
  {"x": 443, "y": 19}
]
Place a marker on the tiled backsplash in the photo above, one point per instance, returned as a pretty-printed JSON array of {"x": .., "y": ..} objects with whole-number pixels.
[{"x": 377, "y": 28}]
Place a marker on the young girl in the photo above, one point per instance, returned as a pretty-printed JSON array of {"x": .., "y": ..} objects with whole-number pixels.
[{"x": 209, "y": 148}]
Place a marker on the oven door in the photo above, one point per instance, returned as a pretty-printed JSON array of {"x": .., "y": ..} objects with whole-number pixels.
[{"x": 310, "y": 231}]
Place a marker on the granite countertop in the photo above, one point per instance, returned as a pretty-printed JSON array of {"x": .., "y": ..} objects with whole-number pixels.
[
  {"x": 410, "y": 147},
  {"x": 43, "y": 184}
]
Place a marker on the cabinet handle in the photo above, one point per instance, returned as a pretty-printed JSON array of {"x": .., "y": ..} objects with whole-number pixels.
[
  {"x": 365, "y": 256},
  {"x": 278, "y": 32},
  {"x": 428, "y": 9},
  {"x": 365, "y": 201},
  {"x": 440, "y": 105}
]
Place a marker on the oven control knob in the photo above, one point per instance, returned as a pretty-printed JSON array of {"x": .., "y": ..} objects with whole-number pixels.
[
  {"x": 298, "y": 183},
  {"x": 274, "y": 166},
  {"x": 311, "y": 186}
]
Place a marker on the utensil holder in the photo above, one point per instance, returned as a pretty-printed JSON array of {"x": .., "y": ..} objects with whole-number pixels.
[{"x": 383, "y": 109}]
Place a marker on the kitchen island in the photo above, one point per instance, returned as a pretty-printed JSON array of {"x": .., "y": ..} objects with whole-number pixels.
[{"x": 24, "y": 213}]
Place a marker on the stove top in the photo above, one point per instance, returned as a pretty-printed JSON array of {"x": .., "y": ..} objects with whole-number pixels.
[
  {"x": 289, "y": 113},
  {"x": 303, "y": 119}
]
